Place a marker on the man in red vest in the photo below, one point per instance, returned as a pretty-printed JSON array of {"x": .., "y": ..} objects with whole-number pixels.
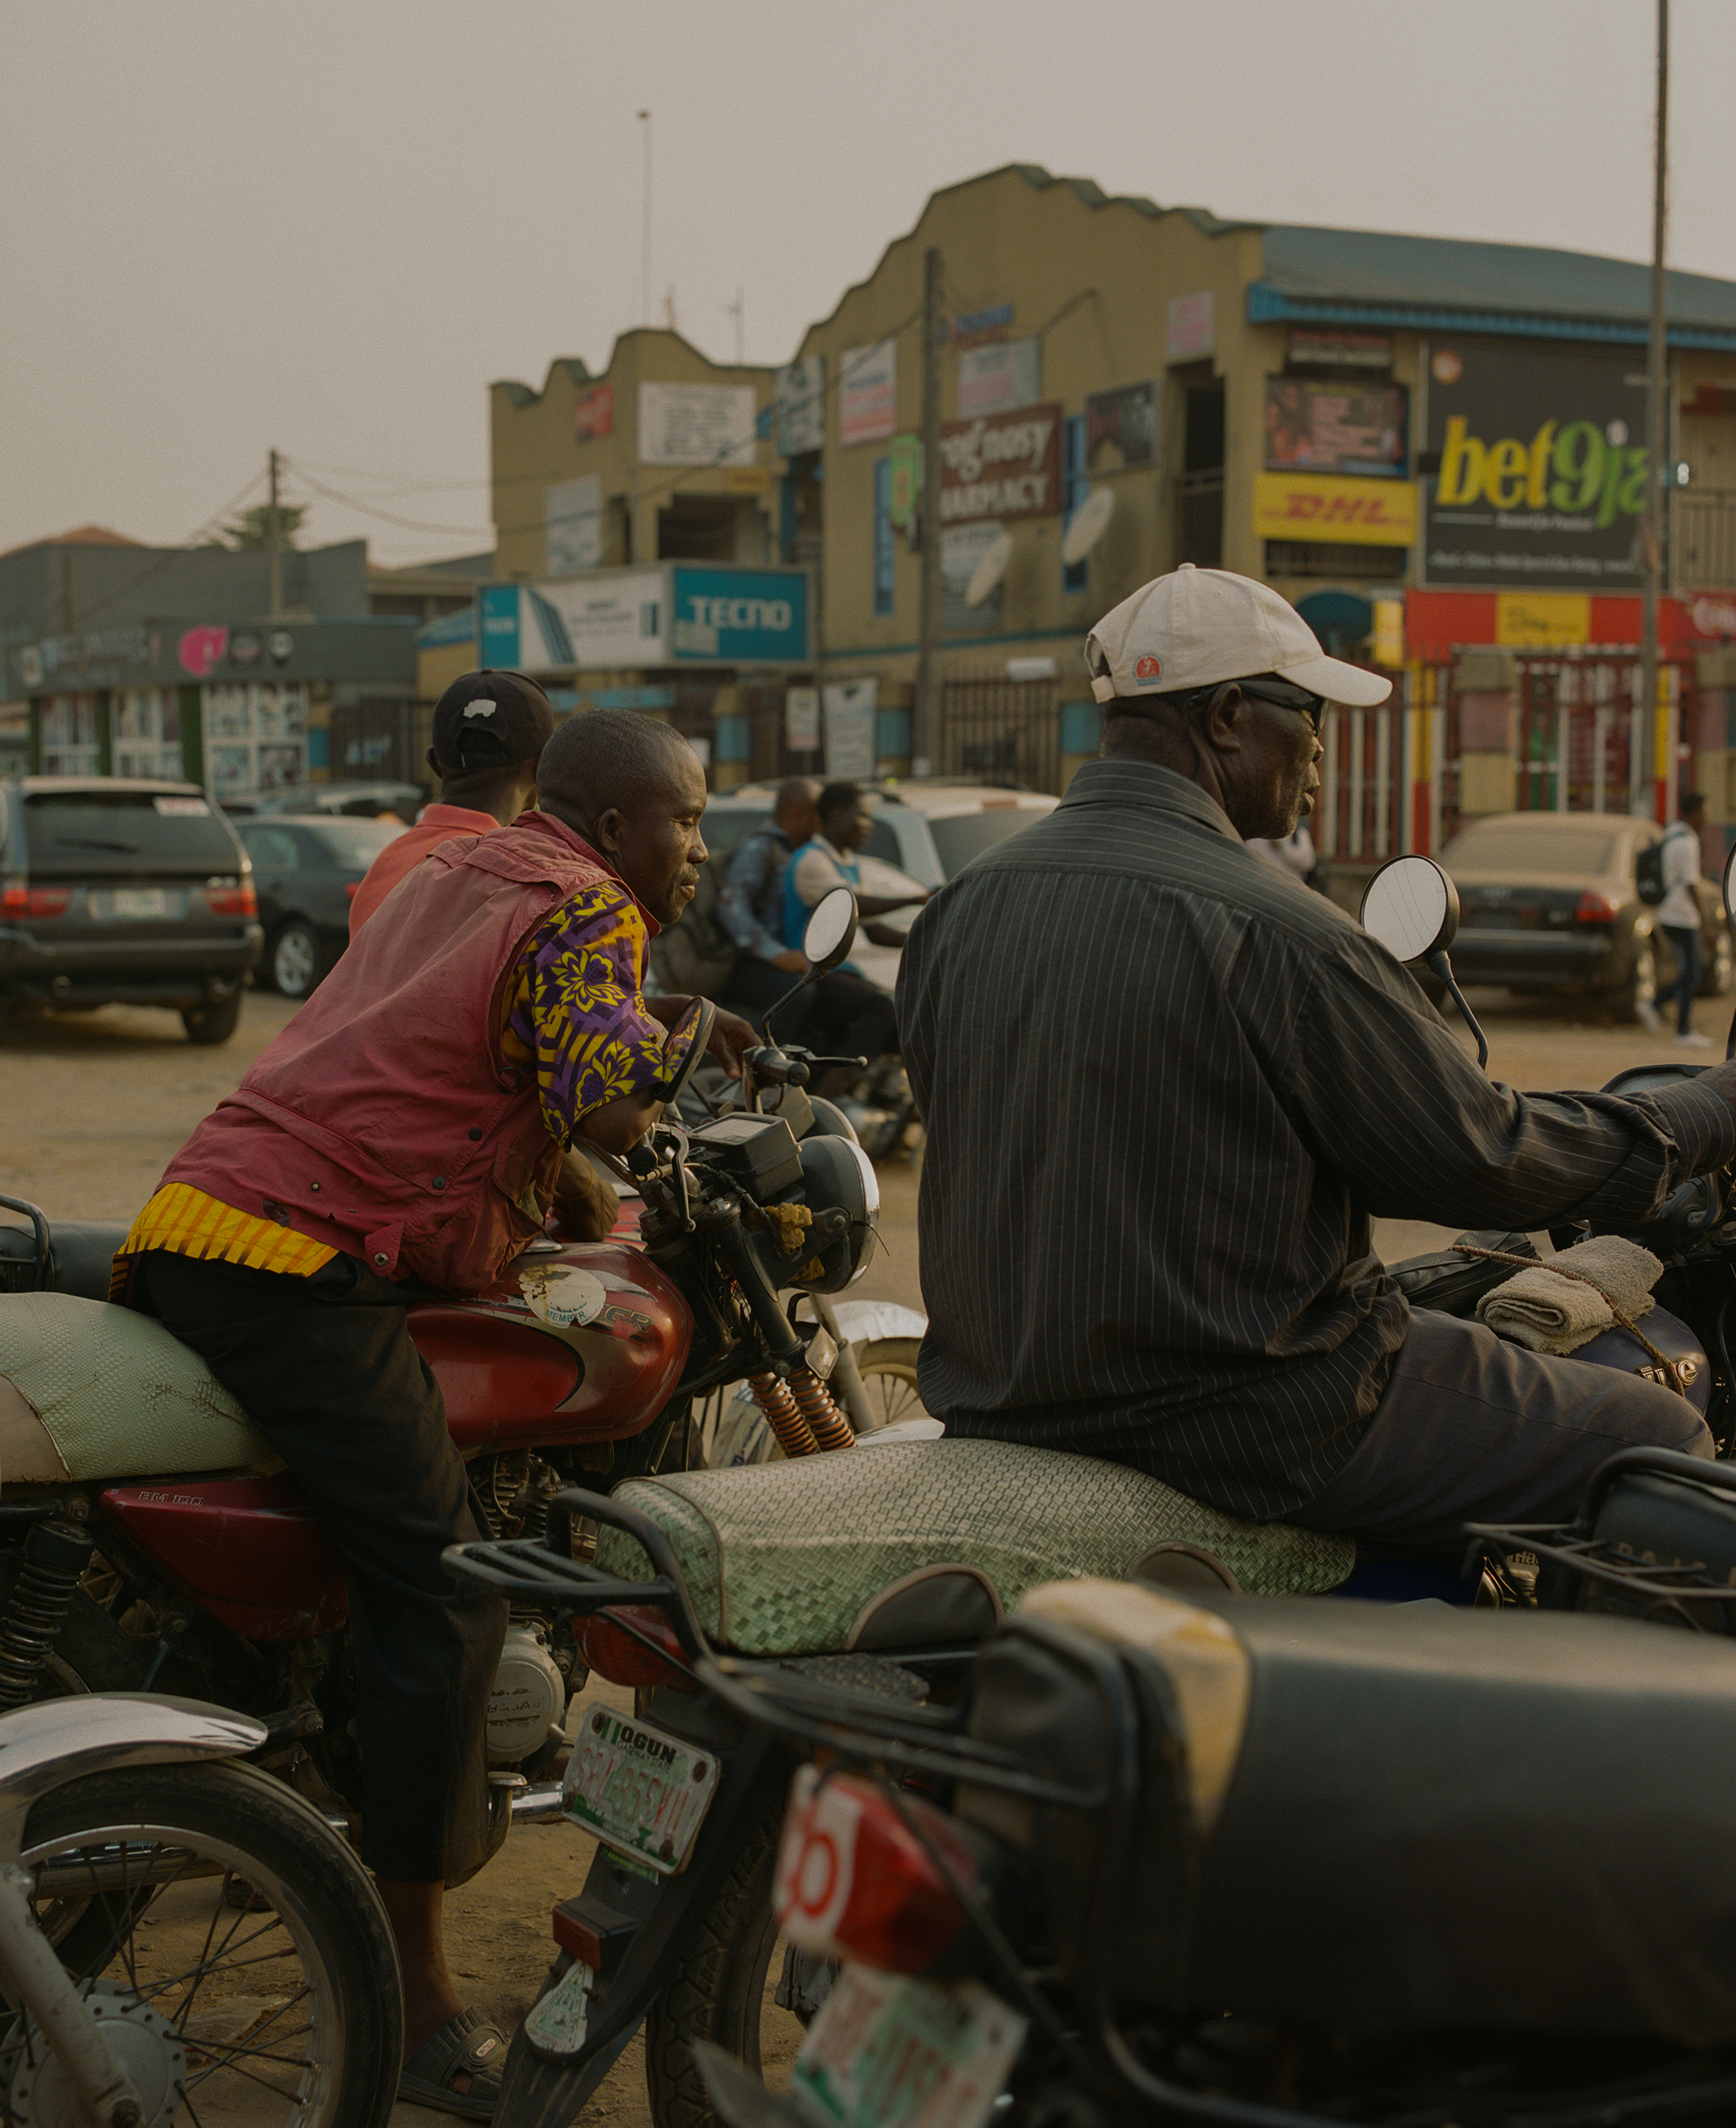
[
  {"x": 488, "y": 731},
  {"x": 408, "y": 1129}
]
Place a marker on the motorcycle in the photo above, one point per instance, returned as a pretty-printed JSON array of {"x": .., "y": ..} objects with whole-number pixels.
[
  {"x": 268, "y": 1986},
  {"x": 887, "y": 1572},
  {"x": 1263, "y": 1862},
  {"x": 146, "y": 1541}
]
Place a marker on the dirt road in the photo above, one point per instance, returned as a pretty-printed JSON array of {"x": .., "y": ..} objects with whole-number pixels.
[{"x": 93, "y": 1105}]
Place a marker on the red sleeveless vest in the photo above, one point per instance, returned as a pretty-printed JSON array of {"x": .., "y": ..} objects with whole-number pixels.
[{"x": 382, "y": 1120}]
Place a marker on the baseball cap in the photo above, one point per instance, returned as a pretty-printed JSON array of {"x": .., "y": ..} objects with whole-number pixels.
[
  {"x": 490, "y": 719},
  {"x": 1197, "y": 627}
]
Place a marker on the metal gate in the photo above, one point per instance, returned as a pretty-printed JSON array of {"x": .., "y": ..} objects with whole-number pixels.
[
  {"x": 1586, "y": 744},
  {"x": 381, "y": 741},
  {"x": 1001, "y": 731}
]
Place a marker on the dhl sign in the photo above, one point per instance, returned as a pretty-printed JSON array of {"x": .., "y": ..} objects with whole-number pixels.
[{"x": 1335, "y": 507}]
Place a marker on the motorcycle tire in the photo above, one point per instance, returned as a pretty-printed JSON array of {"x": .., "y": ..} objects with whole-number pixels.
[
  {"x": 718, "y": 1991},
  {"x": 285, "y": 1999}
]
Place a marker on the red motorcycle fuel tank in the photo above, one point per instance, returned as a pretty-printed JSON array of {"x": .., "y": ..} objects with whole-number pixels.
[{"x": 580, "y": 1341}]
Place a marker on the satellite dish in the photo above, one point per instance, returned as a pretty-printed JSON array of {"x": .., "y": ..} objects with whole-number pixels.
[
  {"x": 991, "y": 569},
  {"x": 1090, "y": 522}
]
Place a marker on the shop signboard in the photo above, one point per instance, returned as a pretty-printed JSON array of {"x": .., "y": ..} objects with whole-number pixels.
[
  {"x": 978, "y": 328},
  {"x": 903, "y": 501},
  {"x": 867, "y": 392},
  {"x": 1127, "y": 420},
  {"x": 997, "y": 377},
  {"x": 798, "y": 406},
  {"x": 1324, "y": 347},
  {"x": 1538, "y": 461},
  {"x": 615, "y": 617},
  {"x": 1330, "y": 507},
  {"x": 696, "y": 425},
  {"x": 572, "y": 526},
  {"x": 801, "y": 720},
  {"x": 594, "y": 413},
  {"x": 962, "y": 549},
  {"x": 1192, "y": 325},
  {"x": 1314, "y": 427},
  {"x": 739, "y": 616},
  {"x": 1002, "y": 465},
  {"x": 851, "y": 707},
  {"x": 501, "y": 633}
]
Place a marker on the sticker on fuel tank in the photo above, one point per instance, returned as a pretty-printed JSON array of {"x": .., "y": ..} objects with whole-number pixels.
[{"x": 562, "y": 1295}]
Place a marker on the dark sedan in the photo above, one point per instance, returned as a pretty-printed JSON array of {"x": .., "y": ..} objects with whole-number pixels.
[{"x": 305, "y": 871}]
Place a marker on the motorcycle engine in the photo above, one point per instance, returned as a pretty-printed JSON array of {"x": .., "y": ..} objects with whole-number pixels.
[{"x": 528, "y": 1702}]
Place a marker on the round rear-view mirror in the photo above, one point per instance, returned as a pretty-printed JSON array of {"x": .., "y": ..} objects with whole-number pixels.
[
  {"x": 1412, "y": 907},
  {"x": 1729, "y": 867},
  {"x": 830, "y": 929},
  {"x": 684, "y": 1046}
]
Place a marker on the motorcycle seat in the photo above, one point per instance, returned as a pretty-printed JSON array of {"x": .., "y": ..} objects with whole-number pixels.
[
  {"x": 89, "y": 1390},
  {"x": 81, "y": 1255},
  {"x": 930, "y": 1542}
]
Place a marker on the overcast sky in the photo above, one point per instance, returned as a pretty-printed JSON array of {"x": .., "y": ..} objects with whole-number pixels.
[{"x": 328, "y": 224}]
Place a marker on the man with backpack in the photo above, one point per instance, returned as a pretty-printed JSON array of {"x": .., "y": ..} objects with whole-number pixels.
[{"x": 1678, "y": 864}]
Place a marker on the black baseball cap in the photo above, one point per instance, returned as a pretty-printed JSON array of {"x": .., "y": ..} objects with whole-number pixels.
[{"x": 491, "y": 719}]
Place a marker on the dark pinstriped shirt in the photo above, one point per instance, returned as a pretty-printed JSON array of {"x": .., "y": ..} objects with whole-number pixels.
[{"x": 1165, "y": 1090}]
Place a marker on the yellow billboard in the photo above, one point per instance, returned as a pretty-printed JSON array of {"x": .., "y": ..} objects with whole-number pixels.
[
  {"x": 1541, "y": 619},
  {"x": 1335, "y": 507}
]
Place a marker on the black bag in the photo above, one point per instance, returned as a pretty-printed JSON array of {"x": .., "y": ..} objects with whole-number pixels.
[{"x": 1649, "y": 874}]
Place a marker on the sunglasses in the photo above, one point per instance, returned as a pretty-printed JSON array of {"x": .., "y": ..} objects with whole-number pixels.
[{"x": 1271, "y": 688}]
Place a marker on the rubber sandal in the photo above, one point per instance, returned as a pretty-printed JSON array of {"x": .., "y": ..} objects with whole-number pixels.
[{"x": 468, "y": 2042}]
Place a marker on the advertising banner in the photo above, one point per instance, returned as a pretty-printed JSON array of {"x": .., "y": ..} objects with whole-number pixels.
[
  {"x": 1327, "y": 506},
  {"x": 1192, "y": 324},
  {"x": 904, "y": 499},
  {"x": 696, "y": 425},
  {"x": 1315, "y": 427},
  {"x": 798, "y": 406},
  {"x": 1002, "y": 465},
  {"x": 867, "y": 392},
  {"x": 1539, "y": 458},
  {"x": 962, "y": 548},
  {"x": 1325, "y": 347},
  {"x": 572, "y": 526},
  {"x": 739, "y": 616},
  {"x": 801, "y": 720},
  {"x": 994, "y": 379},
  {"x": 619, "y": 618},
  {"x": 850, "y": 719},
  {"x": 1125, "y": 420},
  {"x": 977, "y": 328},
  {"x": 594, "y": 413}
]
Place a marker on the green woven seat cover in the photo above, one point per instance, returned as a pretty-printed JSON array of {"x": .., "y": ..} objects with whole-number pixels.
[
  {"x": 120, "y": 1397},
  {"x": 780, "y": 1558}
]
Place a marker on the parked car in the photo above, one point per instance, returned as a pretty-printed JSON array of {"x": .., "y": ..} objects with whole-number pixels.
[
  {"x": 117, "y": 892},
  {"x": 1548, "y": 901},
  {"x": 306, "y": 868},
  {"x": 365, "y": 801}
]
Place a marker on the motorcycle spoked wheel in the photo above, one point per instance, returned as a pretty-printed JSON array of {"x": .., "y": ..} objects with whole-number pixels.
[
  {"x": 282, "y": 2007},
  {"x": 721, "y": 1989}
]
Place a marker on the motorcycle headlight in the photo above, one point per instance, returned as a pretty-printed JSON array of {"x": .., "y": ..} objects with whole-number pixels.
[{"x": 838, "y": 1173}]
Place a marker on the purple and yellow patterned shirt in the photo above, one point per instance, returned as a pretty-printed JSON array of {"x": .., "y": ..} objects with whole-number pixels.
[{"x": 573, "y": 1009}]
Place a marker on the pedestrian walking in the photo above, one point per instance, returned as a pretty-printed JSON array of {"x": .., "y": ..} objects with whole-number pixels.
[{"x": 1679, "y": 913}]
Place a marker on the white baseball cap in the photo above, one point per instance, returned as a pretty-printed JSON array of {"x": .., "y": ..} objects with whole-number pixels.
[{"x": 1198, "y": 627}]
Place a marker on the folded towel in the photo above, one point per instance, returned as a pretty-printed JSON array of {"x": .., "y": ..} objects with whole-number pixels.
[{"x": 1547, "y": 1311}]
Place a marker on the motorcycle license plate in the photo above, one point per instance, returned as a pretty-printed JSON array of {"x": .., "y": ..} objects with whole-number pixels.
[
  {"x": 638, "y": 1789},
  {"x": 889, "y": 2053}
]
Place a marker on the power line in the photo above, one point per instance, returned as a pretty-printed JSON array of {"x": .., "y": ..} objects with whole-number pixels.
[
  {"x": 369, "y": 509},
  {"x": 194, "y": 539}
]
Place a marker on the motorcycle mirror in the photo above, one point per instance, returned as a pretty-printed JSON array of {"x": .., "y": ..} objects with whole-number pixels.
[
  {"x": 831, "y": 930},
  {"x": 1412, "y": 907},
  {"x": 1729, "y": 868},
  {"x": 684, "y": 1049}
]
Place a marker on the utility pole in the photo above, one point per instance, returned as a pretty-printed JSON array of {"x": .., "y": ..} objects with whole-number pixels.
[
  {"x": 738, "y": 310},
  {"x": 645, "y": 228},
  {"x": 1654, "y": 722},
  {"x": 274, "y": 545},
  {"x": 926, "y": 735}
]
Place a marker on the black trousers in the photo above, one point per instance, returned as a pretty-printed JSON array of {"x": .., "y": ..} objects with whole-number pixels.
[
  {"x": 327, "y": 1371},
  {"x": 840, "y": 1014},
  {"x": 1470, "y": 1428}
]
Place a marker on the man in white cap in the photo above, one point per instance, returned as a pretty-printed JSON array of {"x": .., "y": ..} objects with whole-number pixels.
[{"x": 1164, "y": 1095}]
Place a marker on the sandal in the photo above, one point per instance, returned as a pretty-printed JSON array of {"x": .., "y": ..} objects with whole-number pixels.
[{"x": 465, "y": 2042}]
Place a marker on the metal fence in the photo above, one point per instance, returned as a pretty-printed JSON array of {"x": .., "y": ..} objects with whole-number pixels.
[
  {"x": 381, "y": 741},
  {"x": 1703, "y": 540},
  {"x": 1001, "y": 731}
]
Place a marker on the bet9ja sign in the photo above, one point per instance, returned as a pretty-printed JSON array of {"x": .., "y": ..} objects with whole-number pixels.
[{"x": 1538, "y": 465}]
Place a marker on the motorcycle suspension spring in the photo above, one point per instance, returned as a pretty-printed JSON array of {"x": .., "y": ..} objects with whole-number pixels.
[
  {"x": 55, "y": 1556},
  {"x": 813, "y": 1399},
  {"x": 783, "y": 1415}
]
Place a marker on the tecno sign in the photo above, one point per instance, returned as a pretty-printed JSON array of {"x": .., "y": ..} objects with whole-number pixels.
[
  {"x": 772, "y": 615},
  {"x": 1000, "y": 465}
]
